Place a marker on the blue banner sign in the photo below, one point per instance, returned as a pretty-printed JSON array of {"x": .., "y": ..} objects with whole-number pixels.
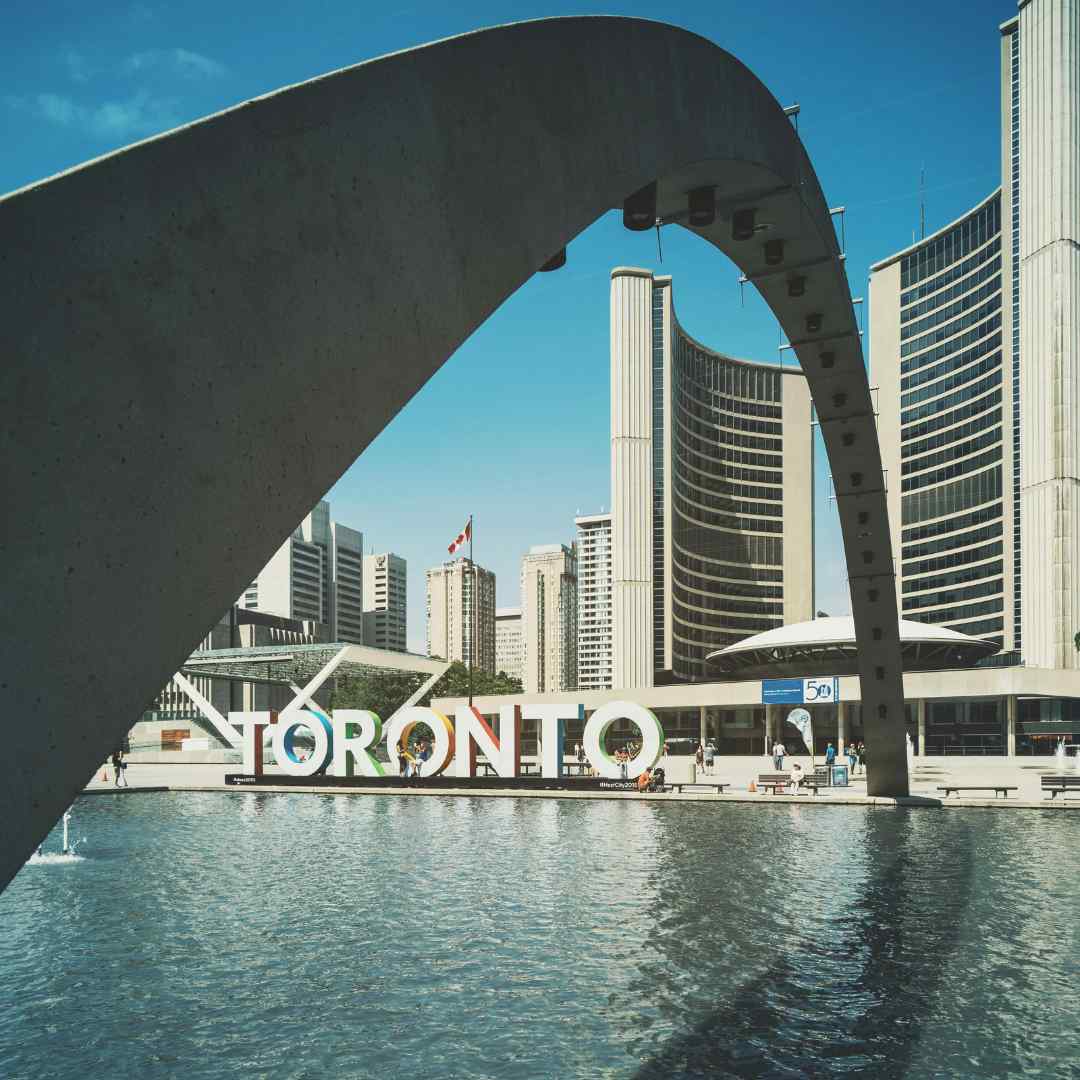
[{"x": 816, "y": 691}]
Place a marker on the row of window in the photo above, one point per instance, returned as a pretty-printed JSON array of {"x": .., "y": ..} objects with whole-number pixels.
[
  {"x": 956, "y": 540},
  {"x": 728, "y": 547},
  {"x": 691, "y": 606},
  {"x": 707, "y": 501},
  {"x": 914, "y": 449},
  {"x": 948, "y": 332},
  {"x": 949, "y": 419},
  {"x": 699, "y": 516},
  {"x": 715, "y": 436},
  {"x": 950, "y": 311},
  {"x": 958, "y": 397},
  {"x": 704, "y": 631},
  {"x": 704, "y": 482},
  {"x": 989, "y": 362},
  {"x": 717, "y": 419},
  {"x": 712, "y": 467},
  {"x": 948, "y": 472},
  {"x": 953, "y": 596},
  {"x": 966, "y": 611},
  {"x": 724, "y": 376},
  {"x": 952, "y": 453},
  {"x": 722, "y": 403},
  {"x": 956, "y": 577},
  {"x": 961, "y": 287},
  {"x": 693, "y": 445},
  {"x": 955, "y": 558},
  {"x": 981, "y": 629},
  {"x": 715, "y": 586},
  {"x": 926, "y": 367},
  {"x": 959, "y": 241},
  {"x": 954, "y": 273},
  {"x": 700, "y": 562},
  {"x": 953, "y": 524}
]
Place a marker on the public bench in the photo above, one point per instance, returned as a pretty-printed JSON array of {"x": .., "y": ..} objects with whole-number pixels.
[
  {"x": 1055, "y": 784},
  {"x": 995, "y": 788},
  {"x": 779, "y": 782},
  {"x": 683, "y": 786}
]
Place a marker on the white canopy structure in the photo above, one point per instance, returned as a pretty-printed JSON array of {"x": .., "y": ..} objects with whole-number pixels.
[{"x": 827, "y": 647}]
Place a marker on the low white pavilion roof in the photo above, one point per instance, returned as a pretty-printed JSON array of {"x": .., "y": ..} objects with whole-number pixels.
[{"x": 830, "y": 643}]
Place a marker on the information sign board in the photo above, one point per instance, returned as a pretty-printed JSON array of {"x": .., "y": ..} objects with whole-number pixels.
[{"x": 813, "y": 691}]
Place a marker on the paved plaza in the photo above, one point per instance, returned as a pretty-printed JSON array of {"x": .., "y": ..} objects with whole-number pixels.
[{"x": 928, "y": 775}]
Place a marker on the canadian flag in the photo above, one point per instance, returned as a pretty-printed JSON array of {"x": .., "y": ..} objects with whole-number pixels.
[{"x": 462, "y": 536}]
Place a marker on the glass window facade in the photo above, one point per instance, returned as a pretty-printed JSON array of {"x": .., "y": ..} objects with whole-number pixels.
[
  {"x": 952, "y": 436},
  {"x": 726, "y": 520}
]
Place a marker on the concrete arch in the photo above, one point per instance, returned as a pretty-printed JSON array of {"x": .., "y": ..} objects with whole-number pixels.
[{"x": 202, "y": 331}]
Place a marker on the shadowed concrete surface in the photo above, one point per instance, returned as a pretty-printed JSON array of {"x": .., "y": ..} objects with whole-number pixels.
[{"x": 202, "y": 331}]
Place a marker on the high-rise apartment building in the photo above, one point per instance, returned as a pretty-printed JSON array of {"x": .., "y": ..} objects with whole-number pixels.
[
  {"x": 975, "y": 343},
  {"x": 508, "y": 644},
  {"x": 317, "y": 575},
  {"x": 594, "y": 637},
  {"x": 549, "y": 601},
  {"x": 711, "y": 485},
  {"x": 385, "y": 607},
  {"x": 461, "y": 613}
]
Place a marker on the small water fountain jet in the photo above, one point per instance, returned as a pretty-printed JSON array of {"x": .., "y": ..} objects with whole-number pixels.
[
  {"x": 910, "y": 753},
  {"x": 1059, "y": 756},
  {"x": 67, "y": 853}
]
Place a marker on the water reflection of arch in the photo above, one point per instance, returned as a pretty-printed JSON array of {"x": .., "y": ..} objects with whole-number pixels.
[{"x": 203, "y": 330}]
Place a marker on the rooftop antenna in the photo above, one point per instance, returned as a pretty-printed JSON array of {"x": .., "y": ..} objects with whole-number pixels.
[{"x": 922, "y": 203}]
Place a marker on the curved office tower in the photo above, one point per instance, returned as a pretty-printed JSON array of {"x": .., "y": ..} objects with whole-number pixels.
[
  {"x": 711, "y": 491},
  {"x": 945, "y": 430},
  {"x": 975, "y": 342}
]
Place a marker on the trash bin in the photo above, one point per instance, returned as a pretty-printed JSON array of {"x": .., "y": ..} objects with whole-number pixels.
[{"x": 839, "y": 776}]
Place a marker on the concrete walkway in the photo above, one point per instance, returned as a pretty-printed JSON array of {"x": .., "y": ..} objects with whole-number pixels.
[{"x": 928, "y": 775}]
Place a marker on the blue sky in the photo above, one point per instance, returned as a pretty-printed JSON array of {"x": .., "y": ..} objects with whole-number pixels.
[{"x": 515, "y": 427}]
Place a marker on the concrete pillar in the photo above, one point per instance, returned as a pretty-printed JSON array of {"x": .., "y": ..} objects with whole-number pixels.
[
  {"x": 920, "y": 712},
  {"x": 1010, "y": 725},
  {"x": 701, "y": 721},
  {"x": 841, "y": 727}
]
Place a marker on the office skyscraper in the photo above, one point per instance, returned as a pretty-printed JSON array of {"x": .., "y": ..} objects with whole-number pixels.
[
  {"x": 316, "y": 575},
  {"x": 461, "y": 613},
  {"x": 594, "y": 641},
  {"x": 549, "y": 601},
  {"x": 711, "y": 487},
  {"x": 975, "y": 343},
  {"x": 508, "y": 643},
  {"x": 385, "y": 607}
]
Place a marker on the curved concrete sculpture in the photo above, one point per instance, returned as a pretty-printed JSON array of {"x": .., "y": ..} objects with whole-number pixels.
[{"x": 201, "y": 332}]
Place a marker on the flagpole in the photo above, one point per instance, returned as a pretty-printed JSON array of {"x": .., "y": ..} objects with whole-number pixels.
[{"x": 472, "y": 631}]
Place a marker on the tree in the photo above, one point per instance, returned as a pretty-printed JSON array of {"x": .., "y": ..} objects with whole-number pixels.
[
  {"x": 383, "y": 692},
  {"x": 455, "y": 683}
]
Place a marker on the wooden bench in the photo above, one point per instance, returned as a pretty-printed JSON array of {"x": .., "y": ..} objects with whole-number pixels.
[
  {"x": 1055, "y": 784},
  {"x": 681, "y": 787},
  {"x": 776, "y": 780},
  {"x": 995, "y": 788}
]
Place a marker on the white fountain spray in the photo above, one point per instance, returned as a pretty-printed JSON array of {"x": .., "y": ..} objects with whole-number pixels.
[
  {"x": 1059, "y": 756},
  {"x": 65, "y": 850}
]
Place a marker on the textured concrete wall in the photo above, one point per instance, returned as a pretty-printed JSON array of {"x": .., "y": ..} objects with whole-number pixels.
[
  {"x": 201, "y": 332},
  {"x": 1050, "y": 329}
]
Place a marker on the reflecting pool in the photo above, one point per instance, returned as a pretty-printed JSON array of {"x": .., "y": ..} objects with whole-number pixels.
[{"x": 235, "y": 935}]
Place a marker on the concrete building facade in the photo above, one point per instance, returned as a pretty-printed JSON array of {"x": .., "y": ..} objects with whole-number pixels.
[
  {"x": 508, "y": 643},
  {"x": 461, "y": 614},
  {"x": 317, "y": 575},
  {"x": 385, "y": 601},
  {"x": 975, "y": 343},
  {"x": 711, "y": 484},
  {"x": 549, "y": 618},
  {"x": 594, "y": 632}
]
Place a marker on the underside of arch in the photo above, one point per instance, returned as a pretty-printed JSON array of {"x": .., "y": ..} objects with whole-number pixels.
[{"x": 202, "y": 331}]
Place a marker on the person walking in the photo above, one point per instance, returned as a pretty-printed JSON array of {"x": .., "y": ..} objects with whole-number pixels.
[
  {"x": 862, "y": 758},
  {"x": 779, "y": 751},
  {"x": 830, "y": 755},
  {"x": 118, "y": 765},
  {"x": 850, "y": 748},
  {"x": 623, "y": 759},
  {"x": 699, "y": 758},
  {"x": 710, "y": 757}
]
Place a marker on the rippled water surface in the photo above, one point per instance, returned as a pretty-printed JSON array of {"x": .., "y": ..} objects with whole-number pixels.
[{"x": 240, "y": 935}]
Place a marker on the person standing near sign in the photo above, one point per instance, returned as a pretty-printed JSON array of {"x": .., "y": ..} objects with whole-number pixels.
[
  {"x": 710, "y": 757},
  {"x": 830, "y": 754},
  {"x": 778, "y": 752}
]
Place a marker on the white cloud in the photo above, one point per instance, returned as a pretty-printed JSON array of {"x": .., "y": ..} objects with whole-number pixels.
[
  {"x": 191, "y": 65},
  {"x": 140, "y": 114}
]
